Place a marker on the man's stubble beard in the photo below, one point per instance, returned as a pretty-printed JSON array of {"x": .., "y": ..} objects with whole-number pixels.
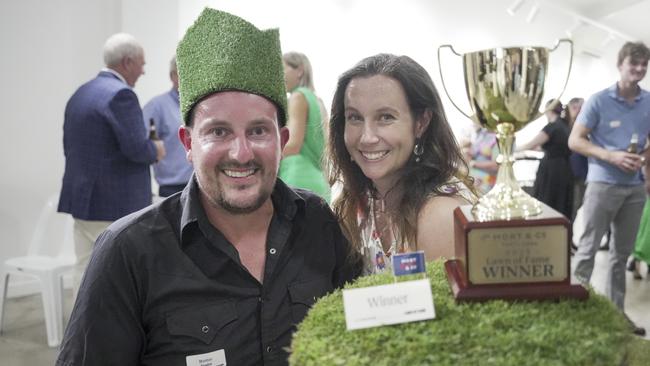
[{"x": 216, "y": 197}]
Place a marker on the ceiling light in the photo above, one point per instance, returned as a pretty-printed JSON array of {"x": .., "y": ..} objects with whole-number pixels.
[
  {"x": 607, "y": 41},
  {"x": 571, "y": 31},
  {"x": 532, "y": 14},
  {"x": 512, "y": 10}
]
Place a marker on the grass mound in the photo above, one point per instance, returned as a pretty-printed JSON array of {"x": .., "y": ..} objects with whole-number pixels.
[{"x": 567, "y": 332}]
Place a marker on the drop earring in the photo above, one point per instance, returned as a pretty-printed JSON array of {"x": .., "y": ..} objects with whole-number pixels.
[{"x": 418, "y": 150}]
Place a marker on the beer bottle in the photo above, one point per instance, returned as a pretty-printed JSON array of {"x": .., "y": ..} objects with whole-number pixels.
[
  {"x": 634, "y": 144},
  {"x": 153, "y": 134}
]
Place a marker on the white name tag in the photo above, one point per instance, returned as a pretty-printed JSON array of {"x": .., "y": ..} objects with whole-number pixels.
[
  {"x": 216, "y": 358},
  {"x": 614, "y": 124},
  {"x": 375, "y": 306}
]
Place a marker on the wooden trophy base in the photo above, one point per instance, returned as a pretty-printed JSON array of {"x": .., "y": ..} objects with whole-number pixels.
[
  {"x": 517, "y": 259},
  {"x": 517, "y": 291}
]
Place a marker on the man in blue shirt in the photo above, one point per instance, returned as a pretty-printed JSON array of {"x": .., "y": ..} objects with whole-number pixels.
[
  {"x": 607, "y": 124},
  {"x": 174, "y": 171}
]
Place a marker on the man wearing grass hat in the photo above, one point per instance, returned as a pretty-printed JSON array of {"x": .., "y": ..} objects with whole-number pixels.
[{"x": 222, "y": 272}]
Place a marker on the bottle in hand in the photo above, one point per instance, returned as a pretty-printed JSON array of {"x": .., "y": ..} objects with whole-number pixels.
[
  {"x": 634, "y": 144},
  {"x": 153, "y": 134}
]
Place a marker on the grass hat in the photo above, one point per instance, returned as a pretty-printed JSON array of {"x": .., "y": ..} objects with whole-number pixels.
[{"x": 220, "y": 52}]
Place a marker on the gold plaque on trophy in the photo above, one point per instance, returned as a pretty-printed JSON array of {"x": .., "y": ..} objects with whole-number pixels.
[
  {"x": 517, "y": 254},
  {"x": 508, "y": 245},
  {"x": 512, "y": 259}
]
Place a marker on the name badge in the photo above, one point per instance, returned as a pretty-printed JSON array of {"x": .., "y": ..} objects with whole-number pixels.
[
  {"x": 615, "y": 124},
  {"x": 397, "y": 303},
  {"x": 216, "y": 358},
  {"x": 408, "y": 263}
]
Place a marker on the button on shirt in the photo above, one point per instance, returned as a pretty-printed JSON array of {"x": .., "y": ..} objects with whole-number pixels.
[{"x": 164, "y": 284}]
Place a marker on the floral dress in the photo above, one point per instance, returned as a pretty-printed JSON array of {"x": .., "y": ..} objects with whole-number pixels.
[
  {"x": 484, "y": 148},
  {"x": 375, "y": 260}
]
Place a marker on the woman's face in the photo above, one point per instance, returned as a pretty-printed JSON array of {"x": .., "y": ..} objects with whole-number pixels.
[
  {"x": 574, "y": 109},
  {"x": 292, "y": 76},
  {"x": 380, "y": 131}
]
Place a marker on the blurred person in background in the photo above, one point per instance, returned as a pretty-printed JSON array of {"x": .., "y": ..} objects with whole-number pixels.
[
  {"x": 174, "y": 171},
  {"x": 107, "y": 152},
  {"x": 301, "y": 165},
  {"x": 578, "y": 161},
  {"x": 612, "y": 126},
  {"x": 554, "y": 179},
  {"x": 480, "y": 150},
  {"x": 641, "y": 246}
]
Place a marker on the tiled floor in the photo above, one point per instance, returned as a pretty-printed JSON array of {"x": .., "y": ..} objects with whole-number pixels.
[
  {"x": 24, "y": 343},
  {"x": 637, "y": 297}
]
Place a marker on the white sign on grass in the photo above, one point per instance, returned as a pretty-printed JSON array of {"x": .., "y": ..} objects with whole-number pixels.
[{"x": 375, "y": 306}]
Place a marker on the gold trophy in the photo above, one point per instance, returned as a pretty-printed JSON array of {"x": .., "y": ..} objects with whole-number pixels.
[{"x": 509, "y": 245}]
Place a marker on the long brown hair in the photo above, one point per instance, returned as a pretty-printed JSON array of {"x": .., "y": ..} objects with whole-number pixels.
[{"x": 440, "y": 162}]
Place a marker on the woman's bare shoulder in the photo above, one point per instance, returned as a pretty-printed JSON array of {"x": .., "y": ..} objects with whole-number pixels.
[{"x": 439, "y": 206}]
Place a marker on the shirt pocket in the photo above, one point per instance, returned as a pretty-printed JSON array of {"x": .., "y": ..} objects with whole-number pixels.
[
  {"x": 304, "y": 294},
  {"x": 201, "y": 323}
]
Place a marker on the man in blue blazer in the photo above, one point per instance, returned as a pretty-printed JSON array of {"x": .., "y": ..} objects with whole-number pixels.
[{"x": 107, "y": 150}]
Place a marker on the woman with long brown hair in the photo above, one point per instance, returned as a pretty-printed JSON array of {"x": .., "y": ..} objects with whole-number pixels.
[{"x": 401, "y": 171}]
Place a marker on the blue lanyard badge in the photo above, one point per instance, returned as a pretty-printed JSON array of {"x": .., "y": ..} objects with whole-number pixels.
[{"x": 408, "y": 263}]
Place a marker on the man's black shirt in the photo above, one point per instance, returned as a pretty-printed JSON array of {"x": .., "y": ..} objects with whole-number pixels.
[{"x": 163, "y": 284}]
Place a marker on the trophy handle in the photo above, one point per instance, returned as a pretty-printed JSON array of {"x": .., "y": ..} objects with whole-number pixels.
[
  {"x": 568, "y": 73},
  {"x": 442, "y": 78}
]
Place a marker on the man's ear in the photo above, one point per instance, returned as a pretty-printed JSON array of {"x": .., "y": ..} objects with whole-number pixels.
[
  {"x": 284, "y": 136},
  {"x": 126, "y": 62},
  {"x": 185, "y": 135}
]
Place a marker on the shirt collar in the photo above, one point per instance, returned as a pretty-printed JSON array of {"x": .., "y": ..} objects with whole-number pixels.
[
  {"x": 174, "y": 93},
  {"x": 286, "y": 202},
  {"x": 612, "y": 91},
  {"x": 117, "y": 74}
]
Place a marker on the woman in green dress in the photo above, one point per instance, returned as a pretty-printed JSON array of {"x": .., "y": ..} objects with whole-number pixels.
[
  {"x": 301, "y": 165},
  {"x": 642, "y": 245}
]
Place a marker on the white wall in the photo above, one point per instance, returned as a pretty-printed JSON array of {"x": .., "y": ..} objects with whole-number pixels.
[
  {"x": 155, "y": 25},
  {"x": 336, "y": 34},
  {"x": 50, "y": 47}
]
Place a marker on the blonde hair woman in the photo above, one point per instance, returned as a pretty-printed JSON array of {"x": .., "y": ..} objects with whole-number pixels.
[{"x": 302, "y": 155}]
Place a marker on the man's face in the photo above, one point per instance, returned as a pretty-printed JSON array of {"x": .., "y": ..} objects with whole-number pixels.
[
  {"x": 633, "y": 69},
  {"x": 235, "y": 147},
  {"x": 134, "y": 68}
]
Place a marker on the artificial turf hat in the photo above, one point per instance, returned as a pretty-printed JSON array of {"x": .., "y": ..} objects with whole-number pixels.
[{"x": 222, "y": 52}]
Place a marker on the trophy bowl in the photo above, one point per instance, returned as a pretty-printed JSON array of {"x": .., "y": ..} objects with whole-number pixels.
[{"x": 505, "y": 87}]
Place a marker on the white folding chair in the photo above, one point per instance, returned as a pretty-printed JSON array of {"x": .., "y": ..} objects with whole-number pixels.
[{"x": 50, "y": 256}]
